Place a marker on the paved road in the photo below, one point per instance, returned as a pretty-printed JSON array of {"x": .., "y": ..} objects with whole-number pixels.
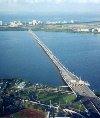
[{"x": 93, "y": 111}]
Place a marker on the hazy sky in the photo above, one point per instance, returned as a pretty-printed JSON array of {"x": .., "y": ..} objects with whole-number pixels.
[{"x": 52, "y": 6}]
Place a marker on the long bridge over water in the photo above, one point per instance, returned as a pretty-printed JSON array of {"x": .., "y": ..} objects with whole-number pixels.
[{"x": 79, "y": 87}]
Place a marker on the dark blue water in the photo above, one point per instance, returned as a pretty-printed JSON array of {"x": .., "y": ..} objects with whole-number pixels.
[
  {"x": 20, "y": 56},
  {"x": 6, "y": 18}
]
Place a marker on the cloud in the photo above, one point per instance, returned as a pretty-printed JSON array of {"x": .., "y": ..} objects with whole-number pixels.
[
  {"x": 51, "y": 1},
  {"x": 70, "y": 6},
  {"x": 85, "y": 1},
  {"x": 32, "y": 1}
]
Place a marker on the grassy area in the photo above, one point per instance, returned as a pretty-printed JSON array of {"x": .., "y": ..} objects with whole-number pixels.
[
  {"x": 62, "y": 99},
  {"x": 56, "y": 98},
  {"x": 78, "y": 106}
]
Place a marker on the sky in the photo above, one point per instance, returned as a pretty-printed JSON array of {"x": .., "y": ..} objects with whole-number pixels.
[{"x": 49, "y": 6}]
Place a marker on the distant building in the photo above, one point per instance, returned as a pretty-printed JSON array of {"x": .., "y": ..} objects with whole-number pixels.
[
  {"x": 98, "y": 29},
  {"x": 53, "y": 22},
  {"x": 72, "y": 21},
  {"x": 1, "y": 23},
  {"x": 21, "y": 85},
  {"x": 34, "y": 22},
  {"x": 82, "y": 30},
  {"x": 19, "y": 23},
  {"x": 30, "y": 23},
  {"x": 15, "y": 24},
  {"x": 64, "y": 22},
  {"x": 93, "y": 30}
]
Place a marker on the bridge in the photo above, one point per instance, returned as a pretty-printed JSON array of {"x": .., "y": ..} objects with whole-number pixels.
[{"x": 80, "y": 88}]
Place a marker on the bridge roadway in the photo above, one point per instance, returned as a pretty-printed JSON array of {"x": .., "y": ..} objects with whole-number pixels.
[{"x": 68, "y": 77}]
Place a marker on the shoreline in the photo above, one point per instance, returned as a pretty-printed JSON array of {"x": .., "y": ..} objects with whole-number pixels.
[
  {"x": 90, "y": 27},
  {"x": 5, "y": 30}
]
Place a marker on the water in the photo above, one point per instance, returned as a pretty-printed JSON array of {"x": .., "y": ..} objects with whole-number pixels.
[
  {"x": 7, "y": 18},
  {"x": 20, "y": 56}
]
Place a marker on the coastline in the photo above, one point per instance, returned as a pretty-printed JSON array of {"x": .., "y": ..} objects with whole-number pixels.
[{"x": 86, "y": 27}]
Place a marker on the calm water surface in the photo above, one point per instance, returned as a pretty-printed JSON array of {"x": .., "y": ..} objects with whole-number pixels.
[
  {"x": 20, "y": 56},
  {"x": 7, "y": 18}
]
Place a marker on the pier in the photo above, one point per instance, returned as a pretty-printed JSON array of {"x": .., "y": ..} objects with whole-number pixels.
[{"x": 79, "y": 87}]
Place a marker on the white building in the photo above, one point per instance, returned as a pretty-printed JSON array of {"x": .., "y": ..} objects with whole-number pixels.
[
  {"x": 21, "y": 85},
  {"x": 1, "y": 23},
  {"x": 82, "y": 30},
  {"x": 19, "y": 23},
  {"x": 30, "y": 23},
  {"x": 93, "y": 30},
  {"x": 72, "y": 21},
  {"x": 34, "y": 22},
  {"x": 64, "y": 22},
  {"x": 98, "y": 29},
  {"x": 13, "y": 24}
]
